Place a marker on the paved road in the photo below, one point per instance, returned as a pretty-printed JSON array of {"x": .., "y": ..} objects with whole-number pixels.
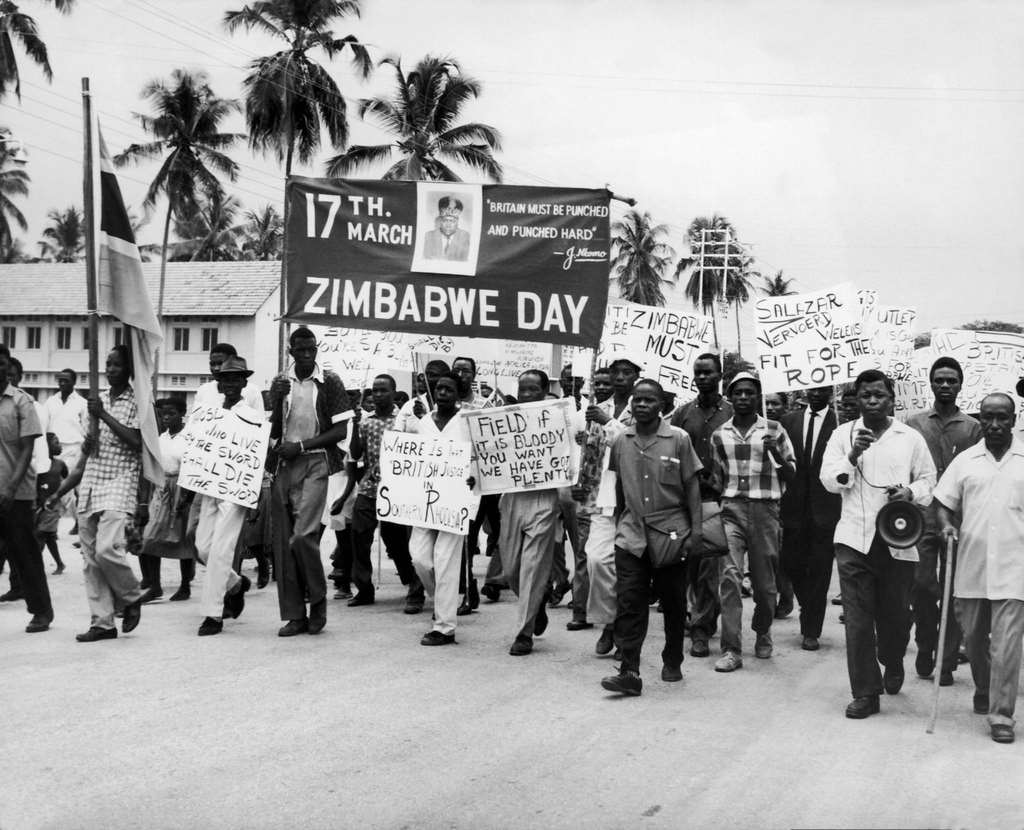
[{"x": 363, "y": 727}]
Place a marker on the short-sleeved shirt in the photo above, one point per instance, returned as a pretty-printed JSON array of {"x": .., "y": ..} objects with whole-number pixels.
[
  {"x": 172, "y": 448},
  {"x": 18, "y": 420},
  {"x": 742, "y": 467},
  {"x": 699, "y": 422},
  {"x": 989, "y": 495},
  {"x": 653, "y": 471},
  {"x": 68, "y": 419},
  {"x": 111, "y": 477},
  {"x": 371, "y": 429}
]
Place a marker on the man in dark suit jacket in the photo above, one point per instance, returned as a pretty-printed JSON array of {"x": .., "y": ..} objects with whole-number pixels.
[
  {"x": 809, "y": 513},
  {"x": 448, "y": 241}
]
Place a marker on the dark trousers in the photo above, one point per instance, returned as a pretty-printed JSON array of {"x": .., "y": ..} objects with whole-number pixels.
[
  {"x": 342, "y": 557},
  {"x": 396, "y": 540},
  {"x": 634, "y": 578},
  {"x": 24, "y": 556},
  {"x": 807, "y": 553},
  {"x": 705, "y": 605},
  {"x": 876, "y": 602},
  {"x": 929, "y": 579}
]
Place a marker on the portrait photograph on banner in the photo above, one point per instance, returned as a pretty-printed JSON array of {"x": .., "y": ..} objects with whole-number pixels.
[{"x": 448, "y": 220}]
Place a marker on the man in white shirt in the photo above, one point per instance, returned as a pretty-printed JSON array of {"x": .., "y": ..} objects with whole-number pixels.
[
  {"x": 983, "y": 487},
  {"x": 69, "y": 420},
  {"x": 869, "y": 462},
  {"x": 207, "y": 394}
]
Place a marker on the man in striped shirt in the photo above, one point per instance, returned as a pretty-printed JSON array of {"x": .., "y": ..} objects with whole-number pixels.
[{"x": 752, "y": 457}]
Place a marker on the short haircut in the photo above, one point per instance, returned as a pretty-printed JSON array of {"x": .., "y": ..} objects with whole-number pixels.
[
  {"x": 450, "y": 375},
  {"x": 401, "y": 396},
  {"x": 946, "y": 362},
  {"x": 4, "y": 351},
  {"x": 540, "y": 374},
  {"x": 782, "y": 396},
  {"x": 174, "y": 403},
  {"x": 714, "y": 358},
  {"x": 874, "y": 376},
  {"x": 602, "y": 370},
  {"x": 72, "y": 372},
  {"x": 440, "y": 365},
  {"x": 223, "y": 348},
  {"x": 650, "y": 382},
  {"x": 301, "y": 333},
  {"x": 124, "y": 351},
  {"x": 469, "y": 360},
  {"x": 389, "y": 379},
  {"x": 16, "y": 363},
  {"x": 633, "y": 363},
  {"x": 1003, "y": 396},
  {"x": 449, "y": 202}
]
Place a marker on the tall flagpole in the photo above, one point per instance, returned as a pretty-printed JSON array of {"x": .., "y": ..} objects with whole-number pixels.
[{"x": 90, "y": 253}]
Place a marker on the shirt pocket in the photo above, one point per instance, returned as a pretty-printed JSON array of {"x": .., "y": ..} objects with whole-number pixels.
[
  {"x": 668, "y": 470},
  {"x": 10, "y": 429},
  {"x": 1016, "y": 497}
]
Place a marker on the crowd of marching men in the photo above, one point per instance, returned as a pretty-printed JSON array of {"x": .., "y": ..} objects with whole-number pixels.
[{"x": 690, "y": 508}]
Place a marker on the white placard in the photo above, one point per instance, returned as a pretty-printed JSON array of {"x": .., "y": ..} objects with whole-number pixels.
[{"x": 224, "y": 454}]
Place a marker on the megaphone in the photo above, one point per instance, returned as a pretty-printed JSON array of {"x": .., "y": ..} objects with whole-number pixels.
[{"x": 900, "y": 524}]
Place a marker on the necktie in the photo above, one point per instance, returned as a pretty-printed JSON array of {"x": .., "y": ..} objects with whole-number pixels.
[{"x": 809, "y": 440}]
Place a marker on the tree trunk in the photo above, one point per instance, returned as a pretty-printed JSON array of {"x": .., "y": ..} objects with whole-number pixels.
[{"x": 739, "y": 347}]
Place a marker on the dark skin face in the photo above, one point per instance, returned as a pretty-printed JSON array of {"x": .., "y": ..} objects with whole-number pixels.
[
  {"x": 874, "y": 402},
  {"x": 706, "y": 377},
  {"x": 65, "y": 384},
  {"x": 383, "y": 396},
  {"x": 304, "y": 355},
  {"x": 530, "y": 389},
  {"x": 946, "y": 386},
  {"x": 646, "y": 405},
  {"x": 117, "y": 372},
  {"x": 216, "y": 359},
  {"x": 744, "y": 398},
  {"x": 171, "y": 419},
  {"x": 464, "y": 369},
  {"x": 446, "y": 396},
  {"x": 571, "y": 386},
  {"x": 624, "y": 378},
  {"x": 230, "y": 385},
  {"x": 819, "y": 397},
  {"x": 602, "y": 386},
  {"x": 997, "y": 419},
  {"x": 774, "y": 406}
]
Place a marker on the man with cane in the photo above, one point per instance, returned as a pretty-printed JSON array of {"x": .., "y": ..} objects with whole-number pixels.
[{"x": 983, "y": 488}]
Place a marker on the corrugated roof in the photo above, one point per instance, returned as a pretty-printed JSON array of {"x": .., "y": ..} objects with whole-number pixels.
[{"x": 223, "y": 289}]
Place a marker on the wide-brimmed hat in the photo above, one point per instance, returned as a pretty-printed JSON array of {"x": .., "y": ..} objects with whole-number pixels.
[{"x": 234, "y": 366}]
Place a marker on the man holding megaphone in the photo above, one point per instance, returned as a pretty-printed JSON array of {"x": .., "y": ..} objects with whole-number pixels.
[{"x": 871, "y": 462}]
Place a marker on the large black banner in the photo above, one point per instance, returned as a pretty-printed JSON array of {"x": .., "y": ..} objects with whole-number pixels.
[{"x": 495, "y": 261}]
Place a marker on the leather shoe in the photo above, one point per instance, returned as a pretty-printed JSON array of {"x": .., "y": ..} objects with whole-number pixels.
[
  {"x": 437, "y": 638},
  {"x": 1002, "y": 733},
  {"x": 293, "y": 627},
  {"x": 183, "y": 593},
  {"x": 980, "y": 704},
  {"x": 861, "y": 707},
  {"x": 413, "y": 605},
  {"x": 492, "y": 592},
  {"x": 132, "y": 615},
  {"x": 810, "y": 644},
  {"x": 892, "y": 679},
  {"x": 557, "y": 594},
  {"x": 234, "y": 603},
  {"x": 522, "y": 645},
  {"x": 210, "y": 626},
  {"x": 317, "y": 616},
  {"x": 464, "y": 609},
  {"x": 39, "y": 622},
  {"x": 763, "y": 646},
  {"x": 783, "y": 611},
  {"x": 540, "y": 624},
  {"x": 699, "y": 648},
  {"x": 924, "y": 663},
  {"x": 624, "y": 683},
  {"x": 945, "y": 678},
  {"x": 605, "y": 643},
  {"x": 671, "y": 674},
  {"x": 361, "y": 598},
  {"x": 11, "y": 596},
  {"x": 94, "y": 634},
  {"x": 578, "y": 625},
  {"x": 151, "y": 595}
]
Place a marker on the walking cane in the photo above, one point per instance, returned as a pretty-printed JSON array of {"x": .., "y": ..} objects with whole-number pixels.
[{"x": 947, "y": 584}]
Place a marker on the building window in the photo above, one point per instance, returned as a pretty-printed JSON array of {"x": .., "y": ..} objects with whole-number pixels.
[
  {"x": 209, "y": 339},
  {"x": 119, "y": 336},
  {"x": 178, "y": 380},
  {"x": 85, "y": 338},
  {"x": 35, "y": 337},
  {"x": 63, "y": 337},
  {"x": 31, "y": 378},
  {"x": 10, "y": 337},
  {"x": 180, "y": 340}
]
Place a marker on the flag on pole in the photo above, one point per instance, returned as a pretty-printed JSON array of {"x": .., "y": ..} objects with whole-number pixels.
[{"x": 122, "y": 293}]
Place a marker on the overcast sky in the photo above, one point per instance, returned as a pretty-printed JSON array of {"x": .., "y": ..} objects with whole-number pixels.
[{"x": 865, "y": 141}]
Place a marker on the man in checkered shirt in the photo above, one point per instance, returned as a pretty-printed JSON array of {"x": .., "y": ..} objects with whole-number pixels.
[{"x": 752, "y": 457}]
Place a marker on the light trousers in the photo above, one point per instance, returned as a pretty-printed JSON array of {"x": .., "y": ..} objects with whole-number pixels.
[
  {"x": 527, "y": 548},
  {"x": 751, "y": 528},
  {"x": 437, "y": 557},
  {"x": 995, "y": 658},
  {"x": 602, "y": 599},
  {"x": 110, "y": 582},
  {"x": 220, "y": 522}
]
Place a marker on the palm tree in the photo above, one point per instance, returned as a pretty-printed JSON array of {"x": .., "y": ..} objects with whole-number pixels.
[
  {"x": 64, "y": 238},
  {"x": 640, "y": 259},
  {"x": 13, "y": 252},
  {"x": 777, "y": 286},
  {"x": 16, "y": 26},
  {"x": 13, "y": 182},
  {"x": 287, "y": 95},
  {"x": 186, "y": 124},
  {"x": 211, "y": 233},
  {"x": 263, "y": 234},
  {"x": 421, "y": 115}
]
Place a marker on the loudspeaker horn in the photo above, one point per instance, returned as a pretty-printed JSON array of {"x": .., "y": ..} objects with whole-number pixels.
[{"x": 900, "y": 524}]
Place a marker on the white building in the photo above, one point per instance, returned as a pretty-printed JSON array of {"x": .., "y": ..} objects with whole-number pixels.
[{"x": 43, "y": 321}]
